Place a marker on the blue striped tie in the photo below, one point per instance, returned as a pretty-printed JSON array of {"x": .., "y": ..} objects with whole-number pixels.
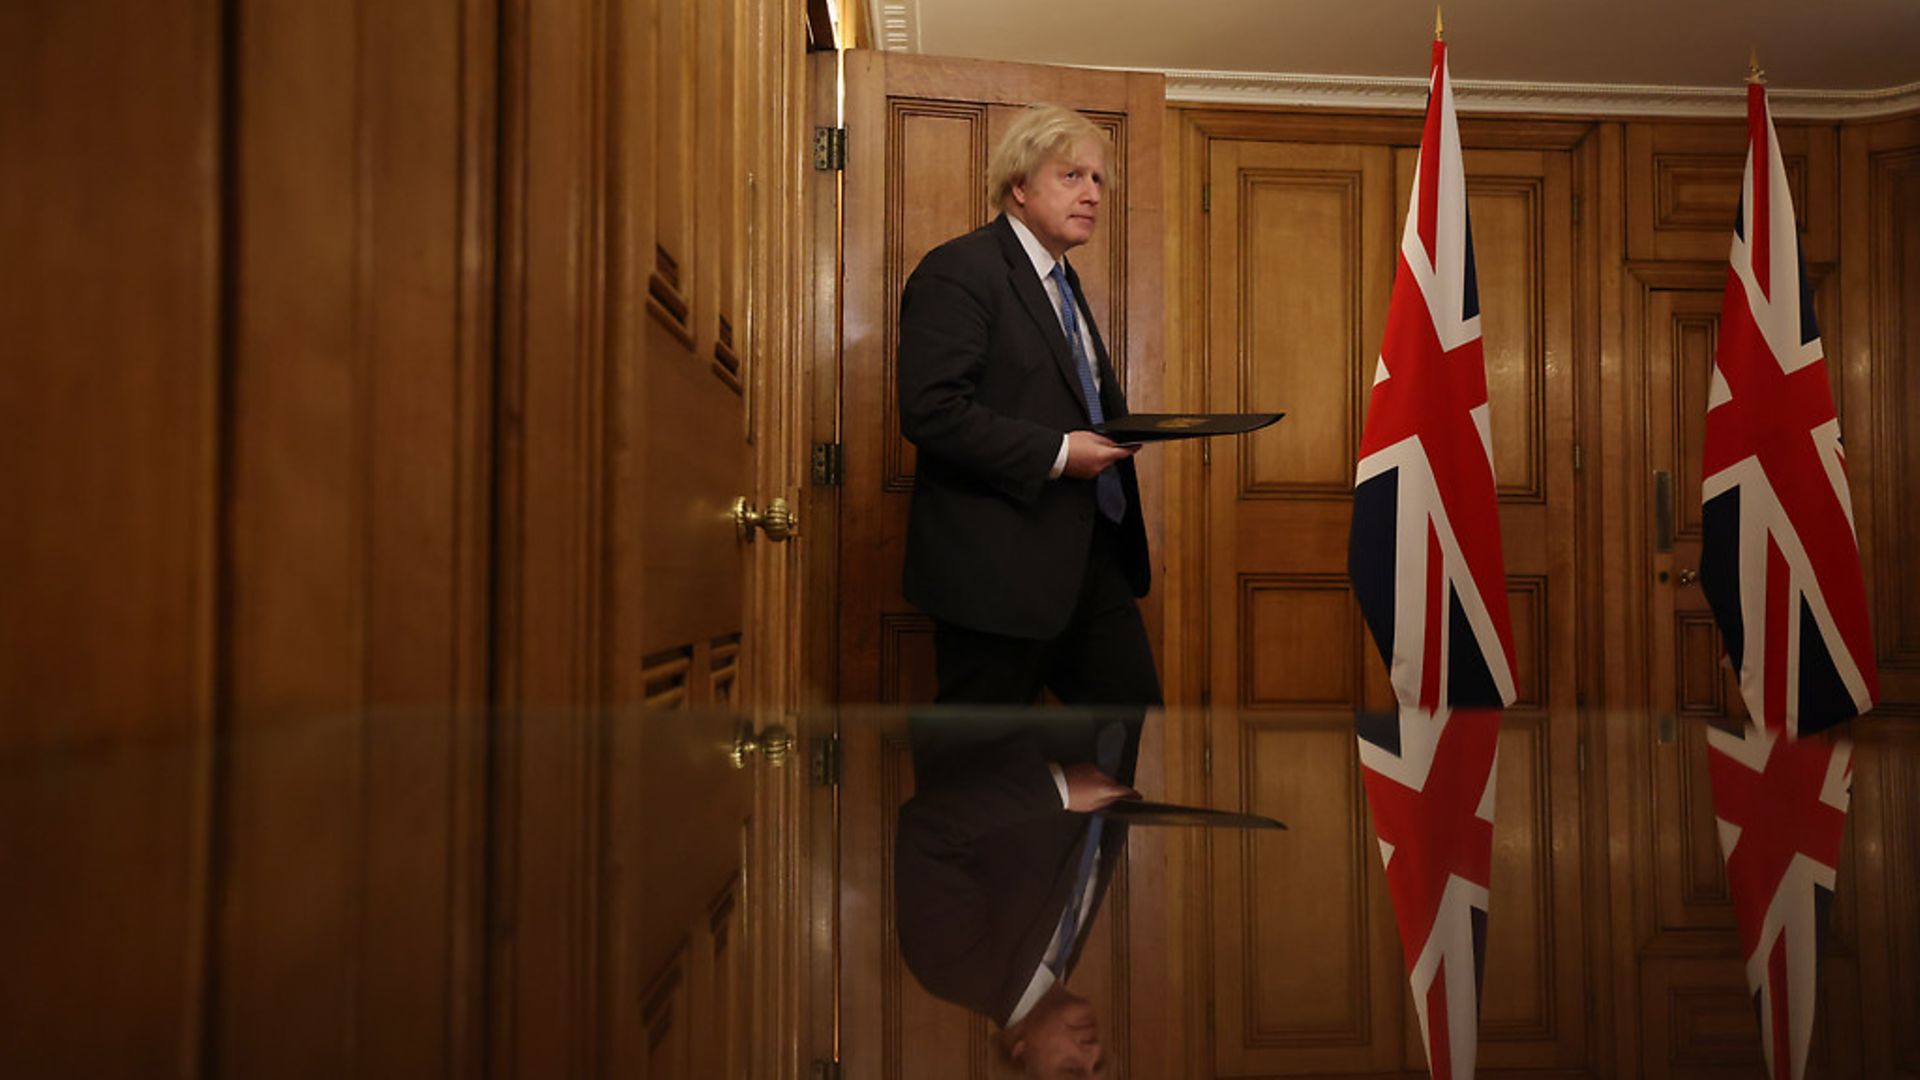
[{"x": 1106, "y": 486}]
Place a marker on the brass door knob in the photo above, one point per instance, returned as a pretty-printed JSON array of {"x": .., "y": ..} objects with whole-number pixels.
[
  {"x": 778, "y": 520},
  {"x": 1689, "y": 576},
  {"x": 773, "y": 744}
]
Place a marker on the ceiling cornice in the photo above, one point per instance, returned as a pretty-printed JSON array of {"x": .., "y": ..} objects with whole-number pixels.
[
  {"x": 897, "y": 29},
  {"x": 1485, "y": 95}
]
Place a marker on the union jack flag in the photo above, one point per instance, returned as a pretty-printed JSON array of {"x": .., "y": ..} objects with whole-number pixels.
[
  {"x": 1778, "y": 561},
  {"x": 1424, "y": 557},
  {"x": 1781, "y": 570}
]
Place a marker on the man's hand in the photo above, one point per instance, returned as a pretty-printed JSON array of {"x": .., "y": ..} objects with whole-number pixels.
[
  {"x": 1089, "y": 789},
  {"x": 1088, "y": 453}
]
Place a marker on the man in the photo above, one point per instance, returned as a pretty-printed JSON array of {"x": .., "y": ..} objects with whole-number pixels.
[
  {"x": 998, "y": 875},
  {"x": 1025, "y": 541}
]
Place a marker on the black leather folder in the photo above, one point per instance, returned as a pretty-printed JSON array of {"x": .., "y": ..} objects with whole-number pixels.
[
  {"x": 1159, "y": 427},
  {"x": 1141, "y": 812}
]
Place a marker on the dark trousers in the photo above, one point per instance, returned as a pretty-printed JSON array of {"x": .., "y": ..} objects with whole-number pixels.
[{"x": 1102, "y": 658}]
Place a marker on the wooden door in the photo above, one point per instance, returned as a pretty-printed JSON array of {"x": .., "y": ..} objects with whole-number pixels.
[
  {"x": 1880, "y": 293},
  {"x": 1301, "y": 244},
  {"x": 243, "y": 636},
  {"x": 919, "y": 132},
  {"x": 1306, "y": 968},
  {"x": 702, "y": 194},
  {"x": 109, "y": 116},
  {"x": 1696, "y": 1015},
  {"x": 705, "y": 191},
  {"x": 370, "y": 489}
]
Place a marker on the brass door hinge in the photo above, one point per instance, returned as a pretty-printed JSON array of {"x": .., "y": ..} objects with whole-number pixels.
[
  {"x": 826, "y": 761},
  {"x": 829, "y": 464},
  {"x": 829, "y": 149}
]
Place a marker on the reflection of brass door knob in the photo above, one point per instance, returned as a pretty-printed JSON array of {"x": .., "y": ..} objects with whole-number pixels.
[
  {"x": 1689, "y": 576},
  {"x": 778, "y": 520},
  {"x": 772, "y": 744}
]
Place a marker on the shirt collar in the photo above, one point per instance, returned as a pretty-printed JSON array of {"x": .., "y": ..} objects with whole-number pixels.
[{"x": 1043, "y": 260}]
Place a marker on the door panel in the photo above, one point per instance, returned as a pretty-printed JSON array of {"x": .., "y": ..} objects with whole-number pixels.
[{"x": 1685, "y": 181}]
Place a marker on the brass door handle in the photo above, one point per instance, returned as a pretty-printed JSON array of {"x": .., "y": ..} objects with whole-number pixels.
[
  {"x": 1689, "y": 576},
  {"x": 778, "y": 520},
  {"x": 1663, "y": 511},
  {"x": 773, "y": 744}
]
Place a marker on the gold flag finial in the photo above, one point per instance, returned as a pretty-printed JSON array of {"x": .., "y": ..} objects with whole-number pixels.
[
  {"x": 1754, "y": 74},
  {"x": 1439, "y": 28}
]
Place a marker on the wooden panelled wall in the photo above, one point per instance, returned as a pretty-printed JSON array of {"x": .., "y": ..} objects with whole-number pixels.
[
  {"x": 320, "y": 334},
  {"x": 1602, "y": 251}
]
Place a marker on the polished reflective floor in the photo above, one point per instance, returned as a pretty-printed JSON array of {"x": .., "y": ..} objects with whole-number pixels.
[{"x": 940, "y": 892}]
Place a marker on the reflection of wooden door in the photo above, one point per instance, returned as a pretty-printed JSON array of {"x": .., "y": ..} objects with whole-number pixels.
[
  {"x": 919, "y": 132},
  {"x": 1306, "y": 973}
]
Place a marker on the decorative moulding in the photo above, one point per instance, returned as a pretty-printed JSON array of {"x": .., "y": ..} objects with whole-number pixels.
[
  {"x": 897, "y": 29},
  {"x": 1486, "y": 95}
]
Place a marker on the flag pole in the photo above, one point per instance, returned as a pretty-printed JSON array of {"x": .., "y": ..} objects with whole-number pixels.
[
  {"x": 1439, "y": 28},
  {"x": 1754, "y": 74}
]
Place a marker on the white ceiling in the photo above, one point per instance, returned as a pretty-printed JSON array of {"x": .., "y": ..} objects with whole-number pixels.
[{"x": 1809, "y": 45}]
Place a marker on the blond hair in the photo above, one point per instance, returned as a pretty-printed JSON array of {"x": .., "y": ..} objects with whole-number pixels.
[{"x": 1043, "y": 131}]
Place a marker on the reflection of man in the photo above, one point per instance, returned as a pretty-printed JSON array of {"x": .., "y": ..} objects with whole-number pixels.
[
  {"x": 1025, "y": 540},
  {"x": 1001, "y": 863}
]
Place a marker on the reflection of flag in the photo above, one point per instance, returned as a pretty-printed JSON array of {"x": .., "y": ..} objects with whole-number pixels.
[
  {"x": 1424, "y": 557},
  {"x": 1781, "y": 806},
  {"x": 1429, "y": 780},
  {"x": 1778, "y": 560},
  {"x": 1780, "y": 566}
]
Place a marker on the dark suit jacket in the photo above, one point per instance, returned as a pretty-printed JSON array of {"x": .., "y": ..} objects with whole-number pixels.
[
  {"x": 985, "y": 857},
  {"x": 987, "y": 387}
]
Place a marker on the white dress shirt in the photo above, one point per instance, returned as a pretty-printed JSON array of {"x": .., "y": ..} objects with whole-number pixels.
[{"x": 1043, "y": 264}]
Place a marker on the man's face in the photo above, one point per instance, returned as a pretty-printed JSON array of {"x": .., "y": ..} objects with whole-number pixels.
[
  {"x": 1060, "y": 201},
  {"x": 1065, "y": 1043}
]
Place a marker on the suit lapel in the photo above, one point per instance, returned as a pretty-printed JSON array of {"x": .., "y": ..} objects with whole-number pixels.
[{"x": 1033, "y": 296}]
